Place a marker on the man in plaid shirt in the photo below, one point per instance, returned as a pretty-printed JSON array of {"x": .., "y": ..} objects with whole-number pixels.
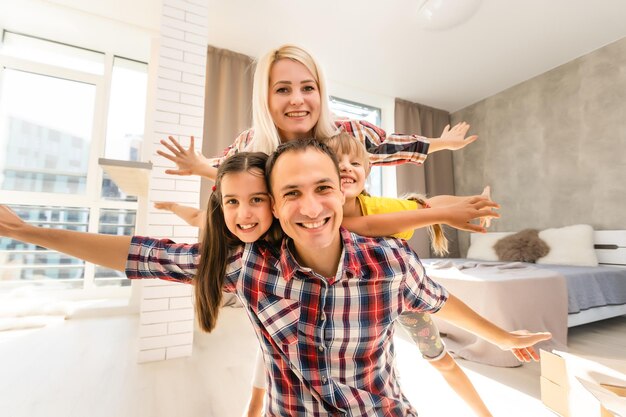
[{"x": 323, "y": 305}]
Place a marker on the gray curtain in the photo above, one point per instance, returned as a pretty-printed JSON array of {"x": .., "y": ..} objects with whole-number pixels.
[
  {"x": 435, "y": 177},
  {"x": 227, "y": 103}
]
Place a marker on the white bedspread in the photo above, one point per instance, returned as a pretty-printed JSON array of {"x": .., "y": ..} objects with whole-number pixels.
[{"x": 513, "y": 296}]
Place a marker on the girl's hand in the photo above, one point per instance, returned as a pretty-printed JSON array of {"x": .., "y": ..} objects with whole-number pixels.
[
  {"x": 188, "y": 161},
  {"x": 165, "y": 205}
]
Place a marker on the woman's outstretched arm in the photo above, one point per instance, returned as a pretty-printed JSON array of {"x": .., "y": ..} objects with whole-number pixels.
[{"x": 106, "y": 250}]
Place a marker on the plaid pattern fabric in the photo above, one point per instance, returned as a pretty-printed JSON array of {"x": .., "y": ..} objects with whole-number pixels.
[
  {"x": 326, "y": 341},
  {"x": 393, "y": 150}
]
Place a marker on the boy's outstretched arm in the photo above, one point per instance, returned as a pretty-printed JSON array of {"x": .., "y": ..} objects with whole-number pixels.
[
  {"x": 519, "y": 342},
  {"x": 457, "y": 215},
  {"x": 106, "y": 250}
]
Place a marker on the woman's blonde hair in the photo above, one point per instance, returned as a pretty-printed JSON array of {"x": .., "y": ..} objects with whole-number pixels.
[{"x": 266, "y": 138}]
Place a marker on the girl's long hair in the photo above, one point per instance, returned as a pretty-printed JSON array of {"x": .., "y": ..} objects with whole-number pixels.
[
  {"x": 266, "y": 138},
  {"x": 218, "y": 242}
]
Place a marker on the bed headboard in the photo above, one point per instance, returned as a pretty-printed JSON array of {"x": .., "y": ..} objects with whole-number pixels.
[{"x": 610, "y": 247}]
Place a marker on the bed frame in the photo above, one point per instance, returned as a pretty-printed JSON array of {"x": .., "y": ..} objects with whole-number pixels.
[{"x": 610, "y": 248}]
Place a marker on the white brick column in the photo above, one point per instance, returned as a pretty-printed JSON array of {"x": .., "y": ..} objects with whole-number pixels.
[{"x": 176, "y": 108}]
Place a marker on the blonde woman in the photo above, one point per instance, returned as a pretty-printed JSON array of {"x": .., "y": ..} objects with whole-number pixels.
[{"x": 290, "y": 101}]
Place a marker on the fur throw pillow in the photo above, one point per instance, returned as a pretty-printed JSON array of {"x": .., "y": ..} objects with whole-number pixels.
[{"x": 524, "y": 246}]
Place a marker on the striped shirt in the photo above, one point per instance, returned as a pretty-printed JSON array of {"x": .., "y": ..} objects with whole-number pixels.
[
  {"x": 393, "y": 150},
  {"x": 327, "y": 341}
]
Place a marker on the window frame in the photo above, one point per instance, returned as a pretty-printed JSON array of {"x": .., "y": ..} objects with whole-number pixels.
[{"x": 91, "y": 199}]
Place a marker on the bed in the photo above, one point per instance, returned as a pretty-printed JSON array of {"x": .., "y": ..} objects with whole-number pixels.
[{"x": 536, "y": 297}]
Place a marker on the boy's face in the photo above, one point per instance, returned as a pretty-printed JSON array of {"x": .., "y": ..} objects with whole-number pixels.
[
  {"x": 353, "y": 173},
  {"x": 307, "y": 200}
]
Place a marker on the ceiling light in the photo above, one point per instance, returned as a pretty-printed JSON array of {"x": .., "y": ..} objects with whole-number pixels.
[{"x": 445, "y": 14}]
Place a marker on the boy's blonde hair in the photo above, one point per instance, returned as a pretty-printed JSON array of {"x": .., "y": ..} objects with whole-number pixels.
[
  {"x": 266, "y": 138},
  {"x": 438, "y": 239},
  {"x": 344, "y": 143}
]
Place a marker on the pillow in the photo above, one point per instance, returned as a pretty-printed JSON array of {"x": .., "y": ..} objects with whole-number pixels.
[
  {"x": 481, "y": 245},
  {"x": 524, "y": 246},
  {"x": 571, "y": 245}
]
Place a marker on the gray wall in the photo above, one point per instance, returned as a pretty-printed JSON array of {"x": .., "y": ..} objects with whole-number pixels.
[{"x": 553, "y": 148}]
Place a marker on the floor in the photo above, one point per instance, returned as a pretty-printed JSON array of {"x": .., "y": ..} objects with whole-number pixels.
[{"x": 87, "y": 367}]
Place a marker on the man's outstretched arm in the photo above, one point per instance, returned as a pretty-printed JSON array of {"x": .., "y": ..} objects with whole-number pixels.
[
  {"x": 519, "y": 342},
  {"x": 106, "y": 250}
]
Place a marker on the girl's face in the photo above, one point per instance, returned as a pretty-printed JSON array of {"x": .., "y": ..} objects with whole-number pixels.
[
  {"x": 353, "y": 173},
  {"x": 294, "y": 99},
  {"x": 246, "y": 204}
]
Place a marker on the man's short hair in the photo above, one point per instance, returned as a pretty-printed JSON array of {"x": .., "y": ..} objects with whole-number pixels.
[{"x": 299, "y": 145}]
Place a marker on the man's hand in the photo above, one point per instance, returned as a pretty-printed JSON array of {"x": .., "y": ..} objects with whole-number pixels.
[
  {"x": 521, "y": 342},
  {"x": 10, "y": 223}
]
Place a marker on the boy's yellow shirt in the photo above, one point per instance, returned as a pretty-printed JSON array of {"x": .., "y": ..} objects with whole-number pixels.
[{"x": 379, "y": 205}]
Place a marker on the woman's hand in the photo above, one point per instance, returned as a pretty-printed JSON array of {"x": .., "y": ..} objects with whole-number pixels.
[
  {"x": 452, "y": 138},
  {"x": 188, "y": 161}
]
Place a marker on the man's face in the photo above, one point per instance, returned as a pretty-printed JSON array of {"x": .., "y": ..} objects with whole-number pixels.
[{"x": 308, "y": 200}]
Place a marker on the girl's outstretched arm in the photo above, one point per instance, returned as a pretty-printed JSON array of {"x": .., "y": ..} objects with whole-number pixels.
[
  {"x": 107, "y": 250},
  {"x": 191, "y": 215},
  {"x": 457, "y": 215}
]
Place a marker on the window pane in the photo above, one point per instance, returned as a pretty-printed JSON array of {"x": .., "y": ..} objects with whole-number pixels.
[
  {"x": 52, "y": 53},
  {"x": 114, "y": 222},
  {"x": 126, "y": 119},
  {"x": 127, "y": 110},
  {"x": 45, "y": 133},
  {"x": 26, "y": 263}
]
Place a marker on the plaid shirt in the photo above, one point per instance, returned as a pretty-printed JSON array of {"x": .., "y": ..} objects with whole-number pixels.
[
  {"x": 327, "y": 342},
  {"x": 393, "y": 150}
]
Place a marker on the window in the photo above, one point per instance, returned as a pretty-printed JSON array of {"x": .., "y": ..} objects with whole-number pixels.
[
  {"x": 61, "y": 108},
  {"x": 357, "y": 111}
]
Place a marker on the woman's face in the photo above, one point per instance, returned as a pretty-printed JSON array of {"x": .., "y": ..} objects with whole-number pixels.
[
  {"x": 294, "y": 99},
  {"x": 246, "y": 204}
]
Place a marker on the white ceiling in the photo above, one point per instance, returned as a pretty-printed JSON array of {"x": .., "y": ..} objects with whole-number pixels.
[{"x": 377, "y": 46}]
